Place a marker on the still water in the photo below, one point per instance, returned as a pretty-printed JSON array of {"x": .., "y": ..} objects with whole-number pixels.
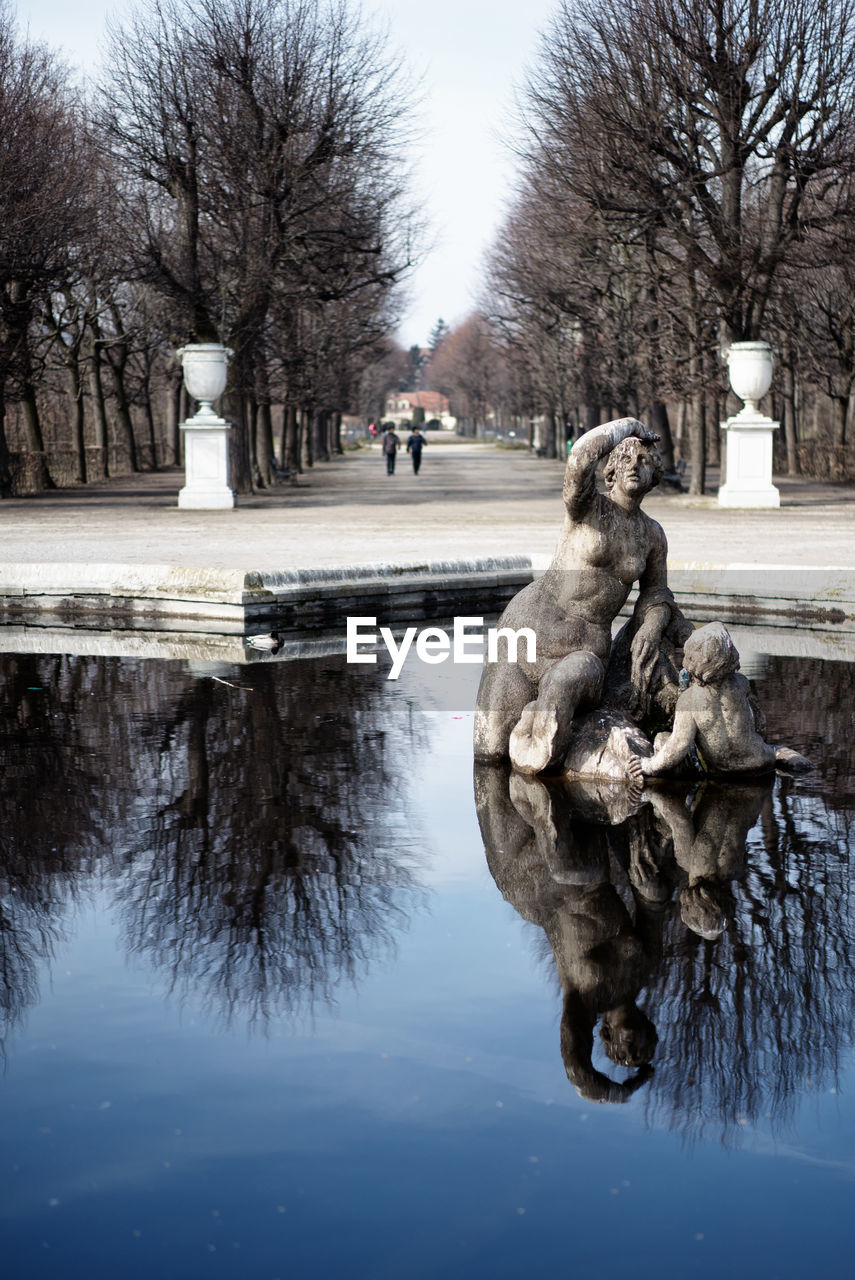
[{"x": 284, "y": 992}]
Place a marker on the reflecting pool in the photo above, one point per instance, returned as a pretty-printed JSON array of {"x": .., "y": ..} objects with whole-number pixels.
[{"x": 285, "y": 991}]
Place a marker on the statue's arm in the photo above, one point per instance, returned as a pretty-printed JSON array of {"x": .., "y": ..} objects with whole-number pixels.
[
  {"x": 678, "y": 742},
  {"x": 673, "y": 813},
  {"x": 757, "y": 711},
  {"x": 652, "y": 610},
  {"x": 581, "y": 469}
]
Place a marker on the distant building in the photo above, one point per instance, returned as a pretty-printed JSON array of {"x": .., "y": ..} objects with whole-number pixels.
[{"x": 400, "y": 406}]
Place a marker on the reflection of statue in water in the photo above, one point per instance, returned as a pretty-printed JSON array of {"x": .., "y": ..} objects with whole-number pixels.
[
  {"x": 526, "y": 709},
  {"x": 709, "y": 831},
  {"x": 550, "y": 856},
  {"x": 595, "y": 866}
]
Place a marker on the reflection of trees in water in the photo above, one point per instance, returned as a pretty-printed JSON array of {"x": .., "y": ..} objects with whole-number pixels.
[
  {"x": 810, "y": 705},
  {"x": 257, "y": 829},
  {"x": 47, "y": 794},
  {"x": 768, "y": 1009},
  {"x": 749, "y": 976},
  {"x": 277, "y": 862}
]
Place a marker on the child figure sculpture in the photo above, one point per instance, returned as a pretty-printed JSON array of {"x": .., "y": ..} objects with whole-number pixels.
[{"x": 717, "y": 716}]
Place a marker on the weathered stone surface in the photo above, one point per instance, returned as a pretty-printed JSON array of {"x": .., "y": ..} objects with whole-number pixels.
[
  {"x": 717, "y": 716},
  {"x": 589, "y": 704},
  {"x": 526, "y": 710}
]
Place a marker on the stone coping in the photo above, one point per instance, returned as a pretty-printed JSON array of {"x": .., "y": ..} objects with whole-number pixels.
[{"x": 231, "y": 600}]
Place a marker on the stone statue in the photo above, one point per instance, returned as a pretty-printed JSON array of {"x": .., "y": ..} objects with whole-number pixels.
[
  {"x": 526, "y": 710},
  {"x": 587, "y": 706},
  {"x": 717, "y": 716}
]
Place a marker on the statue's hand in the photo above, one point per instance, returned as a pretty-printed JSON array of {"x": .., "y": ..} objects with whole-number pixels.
[
  {"x": 646, "y": 435},
  {"x": 644, "y": 654},
  {"x": 644, "y": 873}
]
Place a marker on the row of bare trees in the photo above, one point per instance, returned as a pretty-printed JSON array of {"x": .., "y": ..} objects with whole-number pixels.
[
  {"x": 237, "y": 173},
  {"x": 687, "y": 179}
]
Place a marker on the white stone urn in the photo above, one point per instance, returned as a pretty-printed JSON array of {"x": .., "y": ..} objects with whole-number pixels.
[
  {"x": 206, "y": 367},
  {"x": 749, "y": 434},
  {"x": 749, "y": 365},
  {"x": 206, "y": 437}
]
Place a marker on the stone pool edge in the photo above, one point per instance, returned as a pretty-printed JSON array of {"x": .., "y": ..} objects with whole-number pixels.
[{"x": 229, "y": 601}]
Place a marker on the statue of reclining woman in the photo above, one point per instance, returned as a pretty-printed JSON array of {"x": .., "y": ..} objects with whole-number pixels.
[{"x": 525, "y": 710}]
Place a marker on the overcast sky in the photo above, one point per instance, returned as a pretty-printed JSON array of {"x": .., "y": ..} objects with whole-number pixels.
[{"x": 471, "y": 55}]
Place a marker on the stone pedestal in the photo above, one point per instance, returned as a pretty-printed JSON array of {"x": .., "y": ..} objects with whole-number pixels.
[
  {"x": 206, "y": 463},
  {"x": 748, "y": 468}
]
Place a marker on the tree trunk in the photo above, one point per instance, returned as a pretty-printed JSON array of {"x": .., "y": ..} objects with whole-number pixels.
[
  {"x": 290, "y": 440},
  {"x": 240, "y": 463},
  {"x": 698, "y": 442},
  {"x": 96, "y": 392},
  {"x": 75, "y": 391},
  {"x": 788, "y": 397},
  {"x": 123, "y": 419},
  {"x": 658, "y": 411},
  {"x": 149, "y": 417},
  {"x": 839, "y": 414},
  {"x": 5, "y": 473},
  {"x": 658, "y": 422},
  {"x": 714, "y": 434},
  {"x": 264, "y": 443},
  {"x": 173, "y": 418},
  {"x": 334, "y": 444},
  {"x": 549, "y": 434},
  {"x": 18, "y": 317},
  {"x": 32, "y": 421},
  {"x": 263, "y": 425},
  {"x": 117, "y": 361},
  {"x": 251, "y": 411},
  {"x": 307, "y": 457},
  {"x": 682, "y": 410},
  {"x": 277, "y": 431},
  {"x": 319, "y": 428}
]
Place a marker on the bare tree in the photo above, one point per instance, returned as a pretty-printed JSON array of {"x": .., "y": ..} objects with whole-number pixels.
[
  {"x": 265, "y": 152},
  {"x": 716, "y": 135},
  {"x": 43, "y": 208},
  {"x": 465, "y": 367},
  {"x": 723, "y": 122}
]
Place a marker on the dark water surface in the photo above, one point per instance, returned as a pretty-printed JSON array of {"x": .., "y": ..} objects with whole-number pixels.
[{"x": 267, "y": 1009}]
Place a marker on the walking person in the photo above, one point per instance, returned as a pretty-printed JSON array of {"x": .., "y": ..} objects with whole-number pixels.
[
  {"x": 391, "y": 445},
  {"x": 415, "y": 444}
]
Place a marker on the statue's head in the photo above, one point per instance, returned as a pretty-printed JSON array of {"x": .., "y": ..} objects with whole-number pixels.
[
  {"x": 709, "y": 654},
  {"x": 634, "y": 464},
  {"x": 705, "y": 907},
  {"x": 629, "y": 1037}
]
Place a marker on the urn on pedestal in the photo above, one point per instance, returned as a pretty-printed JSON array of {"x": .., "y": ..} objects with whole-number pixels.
[
  {"x": 749, "y": 433},
  {"x": 206, "y": 436}
]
